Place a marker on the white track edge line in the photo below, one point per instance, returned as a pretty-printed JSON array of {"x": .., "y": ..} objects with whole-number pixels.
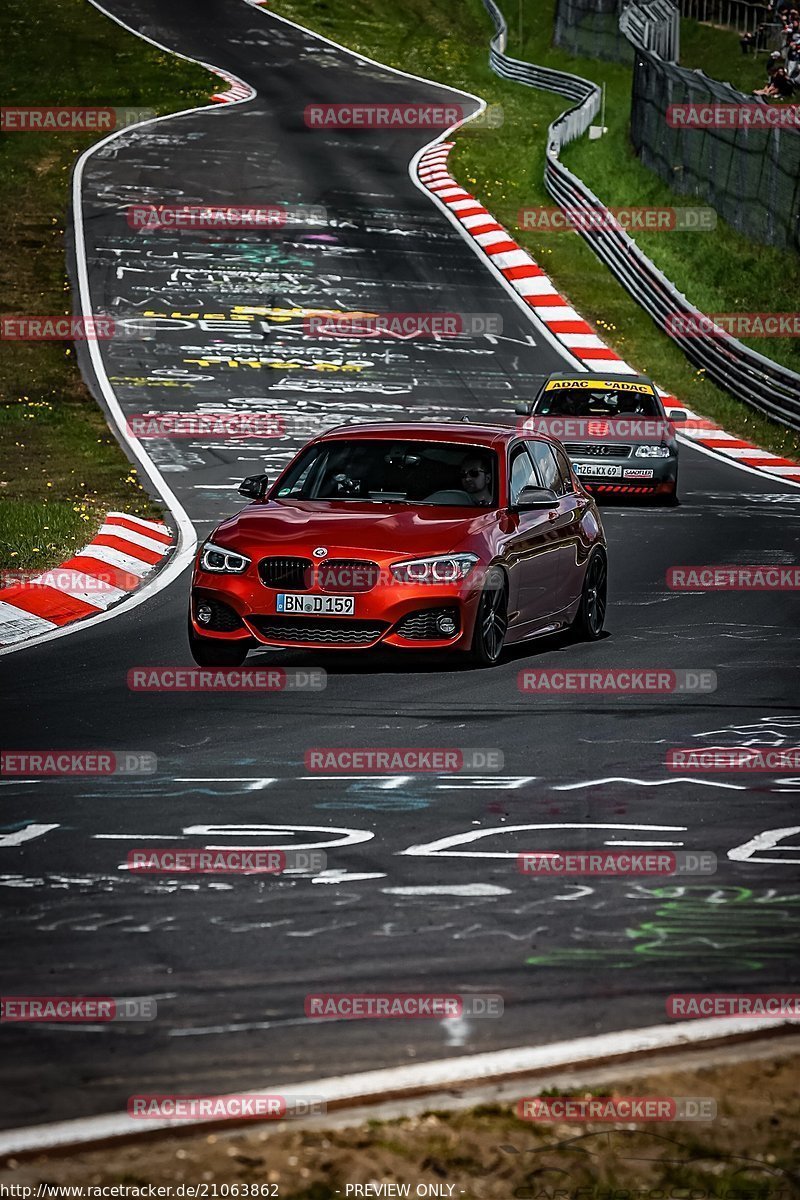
[
  {"x": 454, "y": 221},
  {"x": 761, "y": 474},
  {"x": 466, "y": 1068},
  {"x": 412, "y": 171},
  {"x": 418, "y": 183},
  {"x": 187, "y": 538},
  {"x": 525, "y": 308},
  {"x": 440, "y": 1074},
  {"x": 539, "y": 326}
]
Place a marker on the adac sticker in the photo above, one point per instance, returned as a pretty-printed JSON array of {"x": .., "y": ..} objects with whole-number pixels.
[{"x": 596, "y": 385}]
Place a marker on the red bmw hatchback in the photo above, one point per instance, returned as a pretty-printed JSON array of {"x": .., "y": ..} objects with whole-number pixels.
[{"x": 418, "y": 536}]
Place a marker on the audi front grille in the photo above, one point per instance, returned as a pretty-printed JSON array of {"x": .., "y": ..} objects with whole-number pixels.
[{"x": 597, "y": 449}]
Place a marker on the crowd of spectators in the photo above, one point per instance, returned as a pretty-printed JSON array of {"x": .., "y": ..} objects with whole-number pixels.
[{"x": 781, "y": 26}]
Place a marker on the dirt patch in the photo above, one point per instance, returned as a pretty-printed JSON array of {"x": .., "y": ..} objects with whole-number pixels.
[{"x": 750, "y": 1151}]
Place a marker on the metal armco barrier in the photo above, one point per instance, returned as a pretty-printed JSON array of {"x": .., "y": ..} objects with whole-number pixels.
[
  {"x": 740, "y": 15},
  {"x": 751, "y": 176},
  {"x": 749, "y": 376},
  {"x": 655, "y": 26},
  {"x": 571, "y": 86}
]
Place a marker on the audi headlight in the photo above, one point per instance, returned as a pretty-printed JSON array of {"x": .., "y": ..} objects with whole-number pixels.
[
  {"x": 441, "y": 568},
  {"x": 653, "y": 451},
  {"x": 222, "y": 561}
]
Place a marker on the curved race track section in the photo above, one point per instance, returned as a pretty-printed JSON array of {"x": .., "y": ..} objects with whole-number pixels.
[{"x": 421, "y": 891}]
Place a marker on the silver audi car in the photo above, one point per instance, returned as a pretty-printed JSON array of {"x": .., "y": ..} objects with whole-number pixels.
[{"x": 615, "y": 431}]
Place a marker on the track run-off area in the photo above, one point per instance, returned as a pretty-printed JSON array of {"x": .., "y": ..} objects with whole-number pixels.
[{"x": 420, "y": 891}]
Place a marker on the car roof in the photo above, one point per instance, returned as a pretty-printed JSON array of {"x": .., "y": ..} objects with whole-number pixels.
[
  {"x": 421, "y": 431},
  {"x": 607, "y": 377}
]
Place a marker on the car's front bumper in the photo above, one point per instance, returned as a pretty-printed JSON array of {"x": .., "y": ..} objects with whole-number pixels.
[
  {"x": 630, "y": 476},
  {"x": 389, "y": 614}
]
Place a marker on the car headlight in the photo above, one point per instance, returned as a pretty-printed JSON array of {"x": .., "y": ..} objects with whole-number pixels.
[
  {"x": 441, "y": 568},
  {"x": 222, "y": 561},
  {"x": 653, "y": 451}
]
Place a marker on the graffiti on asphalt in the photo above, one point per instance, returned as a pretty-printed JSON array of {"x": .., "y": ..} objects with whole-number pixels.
[{"x": 732, "y": 926}]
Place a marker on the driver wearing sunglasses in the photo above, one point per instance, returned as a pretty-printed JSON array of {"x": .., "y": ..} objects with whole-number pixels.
[{"x": 476, "y": 480}]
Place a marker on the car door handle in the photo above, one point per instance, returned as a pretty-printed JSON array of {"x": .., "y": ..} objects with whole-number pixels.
[{"x": 552, "y": 514}]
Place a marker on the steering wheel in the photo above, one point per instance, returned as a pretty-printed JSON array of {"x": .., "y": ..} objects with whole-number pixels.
[{"x": 345, "y": 486}]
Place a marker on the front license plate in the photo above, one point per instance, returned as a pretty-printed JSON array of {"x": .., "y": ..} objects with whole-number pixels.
[
  {"x": 338, "y": 606},
  {"x": 600, "y": 470}
]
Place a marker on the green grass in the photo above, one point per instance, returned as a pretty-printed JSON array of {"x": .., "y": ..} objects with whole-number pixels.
[
  {"x": 719, "y": 270},
  {"x": 61, "y": 467},
  {"x": 716, "y": 51},
  {"x": 447, "y": 40},
  {"x": 33, "y": 534}
]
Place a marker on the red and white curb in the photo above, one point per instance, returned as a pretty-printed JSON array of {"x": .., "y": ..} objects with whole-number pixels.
[
  {"x": 238, "y": 90},
  {"x": 537, "y": 290},
  {"x": 115, "y": 563}
]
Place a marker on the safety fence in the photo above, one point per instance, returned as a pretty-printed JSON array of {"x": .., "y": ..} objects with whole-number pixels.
[
  {"x": 653, "y": 26},
  {"x": 746, "y": 374},
  {"x": 590, "y": 29},
  {"x": 750, "y": 176},
  {"x": 737, "y": 14}
]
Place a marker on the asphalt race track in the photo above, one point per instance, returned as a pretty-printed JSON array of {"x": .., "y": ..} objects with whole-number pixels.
[{"x": 230, "y": 959}]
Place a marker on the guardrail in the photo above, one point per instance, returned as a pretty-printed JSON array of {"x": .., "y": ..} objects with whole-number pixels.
[
  {"x": 571, "y": 86},
  {"x": 740, "y": 15},
  {"x": 749, "y": 376},
  {"x": 654, "y": 26}
]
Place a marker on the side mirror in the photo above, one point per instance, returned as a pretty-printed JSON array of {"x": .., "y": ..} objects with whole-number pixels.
[
  {"x": 535, "y": 497},
  {"x": 254, "y": 487},
  {"x": 523, "y": 409},
  {"x": 676, "y": 415}
]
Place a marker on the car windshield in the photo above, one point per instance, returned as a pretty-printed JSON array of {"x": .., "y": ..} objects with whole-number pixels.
[
  {"x": 382, "y": 471},
  {"x": 600, "y": 399}
]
